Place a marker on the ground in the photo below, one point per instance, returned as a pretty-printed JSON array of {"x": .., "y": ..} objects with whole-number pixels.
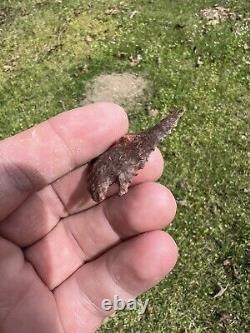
[
  {"x": 125, "y": 89},
  {"x": 51, "y": 50}
]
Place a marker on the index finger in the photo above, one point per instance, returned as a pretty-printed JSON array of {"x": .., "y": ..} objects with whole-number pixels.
[{"x": 44, "y": 153}]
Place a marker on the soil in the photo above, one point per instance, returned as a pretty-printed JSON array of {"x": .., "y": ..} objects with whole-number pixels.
[
  {"x": 126, "y": 89},
  {"x": 217, "y": 14}
]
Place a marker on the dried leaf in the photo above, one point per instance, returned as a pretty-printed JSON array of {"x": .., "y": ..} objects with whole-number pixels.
[{"x": 221, "y": 291}]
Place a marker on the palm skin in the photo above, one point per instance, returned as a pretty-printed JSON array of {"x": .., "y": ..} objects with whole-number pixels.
[{"x": 61, "y": 254}]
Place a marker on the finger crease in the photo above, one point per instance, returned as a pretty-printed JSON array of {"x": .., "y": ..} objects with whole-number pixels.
[
  {"x": 17, "y": 175},
  {"x": 130, "y": 293},
  {"x": 64, "y": 207},
  {"x": 95, "y": 309},
  {"x": 73, "y": 163},
  {"x": 84, "y": 255}
]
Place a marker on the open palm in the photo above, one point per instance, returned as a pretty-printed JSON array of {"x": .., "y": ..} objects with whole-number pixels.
[{"x": 61, "y": 254}]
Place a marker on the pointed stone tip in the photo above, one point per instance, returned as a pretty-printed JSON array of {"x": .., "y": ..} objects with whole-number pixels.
[
  {"x": 179, "y": 112},
  {"x": 173, "y": 117}
]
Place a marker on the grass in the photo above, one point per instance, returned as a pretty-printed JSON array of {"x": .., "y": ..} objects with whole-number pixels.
[{"x": 50, "y": 49}]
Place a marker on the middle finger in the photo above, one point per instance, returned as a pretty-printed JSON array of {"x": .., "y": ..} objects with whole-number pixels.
[{"x": 84, "y": 236}]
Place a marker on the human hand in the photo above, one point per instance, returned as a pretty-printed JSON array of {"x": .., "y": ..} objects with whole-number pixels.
[{"x": 61, "y": 254}]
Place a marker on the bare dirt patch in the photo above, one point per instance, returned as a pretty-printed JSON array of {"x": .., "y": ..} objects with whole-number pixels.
[
  {"x": 217, "y": 14},
  {"x": 128, "y": 90}
]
